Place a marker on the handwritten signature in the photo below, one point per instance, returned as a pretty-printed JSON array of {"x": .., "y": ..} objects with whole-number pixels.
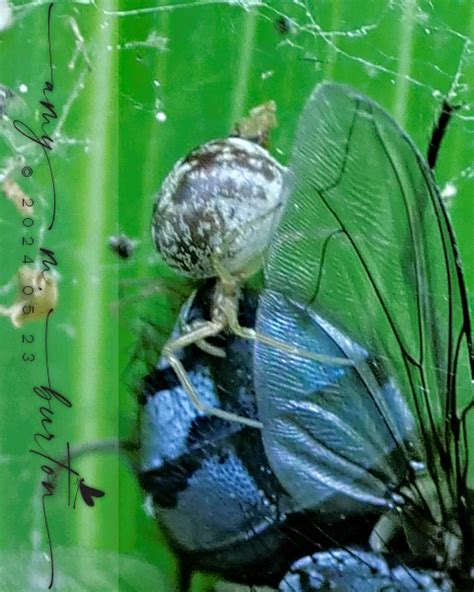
[
  {"x": 50, "y": 398},
  {"x": 45, "y": 140}
]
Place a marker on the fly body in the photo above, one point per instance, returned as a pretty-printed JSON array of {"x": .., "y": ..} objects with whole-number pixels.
[{"x": 327, "y": 418}]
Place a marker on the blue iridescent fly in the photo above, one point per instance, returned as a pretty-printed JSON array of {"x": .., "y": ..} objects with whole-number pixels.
[
  {"x": 209, "y": 482},
  {"x": 362, "y": 359}
]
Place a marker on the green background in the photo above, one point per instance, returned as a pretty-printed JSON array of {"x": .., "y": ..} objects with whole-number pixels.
[{"x": 201, "y": 65}]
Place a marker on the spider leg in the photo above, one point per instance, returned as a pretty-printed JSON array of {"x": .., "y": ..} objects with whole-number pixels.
[{"x": 191, "y": 337}]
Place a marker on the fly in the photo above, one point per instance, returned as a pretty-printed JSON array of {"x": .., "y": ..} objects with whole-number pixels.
[{"x": 362, "y": 357}]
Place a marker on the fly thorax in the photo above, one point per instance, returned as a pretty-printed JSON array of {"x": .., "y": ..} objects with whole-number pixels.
[{"x": 223, "y": 199}]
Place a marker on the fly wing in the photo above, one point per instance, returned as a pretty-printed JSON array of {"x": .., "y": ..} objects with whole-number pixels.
[{"x": 363, "y": 265}]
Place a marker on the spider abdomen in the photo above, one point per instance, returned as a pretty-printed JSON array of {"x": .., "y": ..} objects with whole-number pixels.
[{"x": 220, "y": 200}]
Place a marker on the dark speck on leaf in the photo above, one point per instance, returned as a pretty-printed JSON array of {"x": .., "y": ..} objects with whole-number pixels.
[{"x": 283, "y": 25}]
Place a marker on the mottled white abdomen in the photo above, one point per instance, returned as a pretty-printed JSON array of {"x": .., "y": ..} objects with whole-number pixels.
[{"x": 222, "y": 199}]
